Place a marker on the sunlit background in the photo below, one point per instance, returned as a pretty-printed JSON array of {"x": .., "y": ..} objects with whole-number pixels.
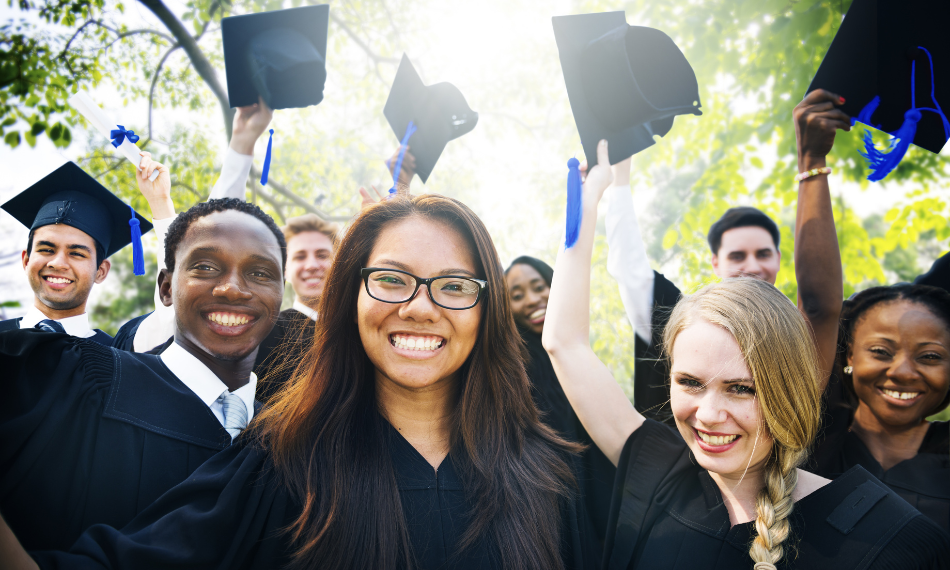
[{"x": 753, "y": 59}]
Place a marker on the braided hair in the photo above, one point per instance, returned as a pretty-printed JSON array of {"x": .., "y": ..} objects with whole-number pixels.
[{"x": 934, "y": 299}]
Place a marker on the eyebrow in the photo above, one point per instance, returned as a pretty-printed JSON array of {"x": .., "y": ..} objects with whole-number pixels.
[
  {"x": 404, "y": 267},
  {"x": 704, "y": 382},
  {"x": 70, "y": 246}
]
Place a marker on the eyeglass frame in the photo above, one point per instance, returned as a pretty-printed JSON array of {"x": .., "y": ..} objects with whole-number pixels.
[{"x": 482, "y": 286}]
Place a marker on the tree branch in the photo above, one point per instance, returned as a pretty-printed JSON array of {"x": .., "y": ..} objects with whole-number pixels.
[
  {"x": 197, "y": 57},
  {"x": 151, "y": 90},
  {"x": 283, "y": 191},
  {"x": 258, "y": 191},
  {"x": 372, "y": 55}
]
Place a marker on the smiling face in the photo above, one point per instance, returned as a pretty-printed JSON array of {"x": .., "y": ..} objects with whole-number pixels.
[
  {"x": 901, "y": 360},
  {"x": 528, "y": 294},
  {"x": 309, "y": 255},
  {"x": 713, "y": 401},
  {"x": 418, "y": 344},
  {"x": 226, "y": 298},
  {"x": 747, "y": 251},
  {"x": 62, "y": 269}
]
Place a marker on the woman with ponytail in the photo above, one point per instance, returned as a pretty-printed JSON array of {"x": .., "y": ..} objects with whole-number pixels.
[
  {"x": 406, "y": 439},
  {"x": 724, "y": 488}
]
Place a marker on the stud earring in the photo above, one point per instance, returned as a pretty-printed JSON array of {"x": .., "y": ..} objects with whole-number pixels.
[{"x": 848, "y": 370}]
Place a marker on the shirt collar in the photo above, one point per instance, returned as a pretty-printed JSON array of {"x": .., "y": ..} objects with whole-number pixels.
[
  {"x": 201, "y": 380},
  {"x": 77, "y": 326},
  {"x": 305, "y": 310}
]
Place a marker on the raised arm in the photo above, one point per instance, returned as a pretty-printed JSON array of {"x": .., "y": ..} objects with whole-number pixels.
[
  {"x": 597, "y": 400},
  {"x": 627, "y": 260},
  {"x": 247, "y": 127},
  {"x": 817, "y": 257}
]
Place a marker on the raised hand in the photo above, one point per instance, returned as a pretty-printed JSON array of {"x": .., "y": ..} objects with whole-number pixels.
[
  {"x": 816, "y": 120},
  {"x": 249, "y": 124},
  {"x": 597, "y": 179},
  {"x": 367, "y": 200},
  {"x": 406, "y": 171},
  {"x": 157, "y": 192}
]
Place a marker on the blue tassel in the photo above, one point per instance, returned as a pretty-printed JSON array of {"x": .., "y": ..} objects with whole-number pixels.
[
  {"x": 867, "y": 112},
  {"x": 266, "y": 169},
  {"x": 573, "y": 203},
  {"x": 402, "y": 152},
  {"x": 882, "y": 163},
  {"x": 138, "y": 257}
]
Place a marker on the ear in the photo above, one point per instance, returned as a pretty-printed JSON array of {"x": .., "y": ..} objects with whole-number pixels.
[
  {"x": 103, "y": 270},
  {"x": 165, "y": 287},
  {"x": 25, "y": 258},
  {"x": 714, "y": 260}
]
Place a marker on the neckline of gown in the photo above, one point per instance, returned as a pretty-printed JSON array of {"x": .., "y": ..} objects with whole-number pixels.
[{"x": 413, "y": 471}]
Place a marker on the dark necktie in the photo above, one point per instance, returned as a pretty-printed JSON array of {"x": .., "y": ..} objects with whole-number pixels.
[{"x": 50, "y": 325}]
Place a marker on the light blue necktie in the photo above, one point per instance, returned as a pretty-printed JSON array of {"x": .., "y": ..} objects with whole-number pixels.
[{"x": 235, "y": 413}]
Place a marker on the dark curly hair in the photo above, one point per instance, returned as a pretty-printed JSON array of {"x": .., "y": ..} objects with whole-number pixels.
[
  {"x": 936, "y": 300},
  {"x": 178, "y": 228}
]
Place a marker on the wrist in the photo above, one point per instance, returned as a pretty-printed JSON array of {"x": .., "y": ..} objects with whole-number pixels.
[
  {"x": 808, "y": 162},
  {"x": 242, "y": 146},
  {"x": 162, "y": 208}
]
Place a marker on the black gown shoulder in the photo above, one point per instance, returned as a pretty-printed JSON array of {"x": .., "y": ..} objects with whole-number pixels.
[
  {"x": 125, "y": 336},
  {"x": 90, "y": 434},
  {"x": 668, "y": 514},
  {"x": 923, "y": 481},
  {"x": 232, "y": 512},
  {"x": 651, "y": 387},
  {"x": 100, "y": 337},
  {"x": 280, "y": 352}
]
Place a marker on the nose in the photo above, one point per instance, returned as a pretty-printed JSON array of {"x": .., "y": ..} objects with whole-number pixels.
[
  {"x": 58, "y": 260},
  {"x": 752, "y": 266},
  {"x": 232, "y": 288},
  {"x": 902, "y": 369},
  {"x": 420, "y": 308},
  {"x": 711, "y": 411}
]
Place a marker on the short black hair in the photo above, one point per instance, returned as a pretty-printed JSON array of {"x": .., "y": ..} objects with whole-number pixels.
[
  {"x": 178, "y": 228},
  {"x": 100, "y": 253},
  {"x": 543, "y": 269},
  {"x": 935, "y": 299},
  {"x": 741, "y": 217}
]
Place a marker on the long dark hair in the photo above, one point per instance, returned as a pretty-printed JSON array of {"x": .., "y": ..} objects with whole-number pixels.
[
  {"x": 936, "y": 300},
  {"x": 328, "y": 441}
]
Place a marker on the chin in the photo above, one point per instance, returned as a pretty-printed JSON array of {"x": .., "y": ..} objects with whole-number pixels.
[{"x": 229, "y": 354}]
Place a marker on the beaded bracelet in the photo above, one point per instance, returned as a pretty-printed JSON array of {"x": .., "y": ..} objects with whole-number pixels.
[{"x": 812, "y": 172}]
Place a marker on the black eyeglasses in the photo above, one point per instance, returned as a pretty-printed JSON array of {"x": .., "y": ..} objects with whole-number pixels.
[{"x": 448, "y": 291}]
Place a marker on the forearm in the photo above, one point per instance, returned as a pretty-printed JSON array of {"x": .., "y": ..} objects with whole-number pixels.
[
  {"x": 12, "y": 554},
  {"x": 232, "y": 181}
]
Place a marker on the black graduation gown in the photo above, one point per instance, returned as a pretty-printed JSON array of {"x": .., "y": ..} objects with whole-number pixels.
[
  {"x": 230, "y": 512},
  {"x": 596, "y": 472},
  {"x": 101, "y": 337},
  {"x": 938, "y": 275},
  {"x": 668, "y": 514},
  {"x": 90, "y": 434},
  {"x": 923, "y": 481},
  {"x": 280, "y": 352},
  {"x": 126, "y": 333},
  {"x": 651, "y": 385}
]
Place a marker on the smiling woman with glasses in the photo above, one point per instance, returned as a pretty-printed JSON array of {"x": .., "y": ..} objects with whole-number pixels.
[{"x": 407, "y": 437}]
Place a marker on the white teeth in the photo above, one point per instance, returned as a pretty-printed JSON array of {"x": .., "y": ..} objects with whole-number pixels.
[
  {"x": 537, "y": 314},
  {"x": 901, "y": 395},
  {"x": 415, "y": 343},
  {"x": 58, "y": 280},
  {"x": 228, "y": 319},
  {"x": 717, "y": 439}
]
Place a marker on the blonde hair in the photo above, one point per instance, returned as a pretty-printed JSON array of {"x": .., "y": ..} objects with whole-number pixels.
[
  {"x": 311, "y": 223},
  {"x": 779, "y": 350}
]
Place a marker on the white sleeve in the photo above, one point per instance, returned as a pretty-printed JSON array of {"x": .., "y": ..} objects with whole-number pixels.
[
  {"x": 627, "y": 261},
  {"x": 233, "y": 178},
  {"x": 160, "y": 325}
]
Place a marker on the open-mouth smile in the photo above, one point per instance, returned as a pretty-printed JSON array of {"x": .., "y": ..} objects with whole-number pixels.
[
  {"x": 899, "y": 397},
  {"x": 715, "y": 442},
  {"x": 537, "y": 317},
  {"x": 57, "y": 282},
  {"x": 229, "y": 323},
  {"x": 420, "y": 344}
]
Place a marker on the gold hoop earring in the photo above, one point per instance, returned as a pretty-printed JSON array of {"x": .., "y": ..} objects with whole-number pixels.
[{"x": 848, "y": 370}]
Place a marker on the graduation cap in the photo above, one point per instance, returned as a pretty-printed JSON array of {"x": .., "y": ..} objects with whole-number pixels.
[
  {"x": 625, "y": 83},
  {"x": 70, "y": 196},
  {"x": 279, "y": 56},
  {"x": 890, "y": 60},
  {"x": 431, "y": 115}
]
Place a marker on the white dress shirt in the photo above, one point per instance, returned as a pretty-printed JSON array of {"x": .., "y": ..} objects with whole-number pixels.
[
  {"x": 305, "y": 309},
  {"x": 627, "y": 261},
  {"x": 203, "y": 382},
  {"x": 160, "y": 325},
  {"x": 77, "y": 326}
]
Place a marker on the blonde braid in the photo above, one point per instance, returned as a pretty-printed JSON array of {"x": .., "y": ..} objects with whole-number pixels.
[{"x": 773, "y": 506}]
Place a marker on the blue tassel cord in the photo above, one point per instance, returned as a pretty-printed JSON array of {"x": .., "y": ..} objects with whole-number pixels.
[
  {"x": 266, "y": 169},
  {"x": 138, "y": 257},
  {"x": 883, "y": 162},
  {"x": 573, "y": 203},
  {"x": 402, "y": 152}
]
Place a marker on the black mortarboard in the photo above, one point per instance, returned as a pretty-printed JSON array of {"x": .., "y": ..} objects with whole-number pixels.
[
  {"x": 626, "y": 83},
  {"x": 70, "y": 196},
  {"x": 279, "y": 55},
  {"x": 875, "y": 53},
  {"x": 438, "y": 112}
]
